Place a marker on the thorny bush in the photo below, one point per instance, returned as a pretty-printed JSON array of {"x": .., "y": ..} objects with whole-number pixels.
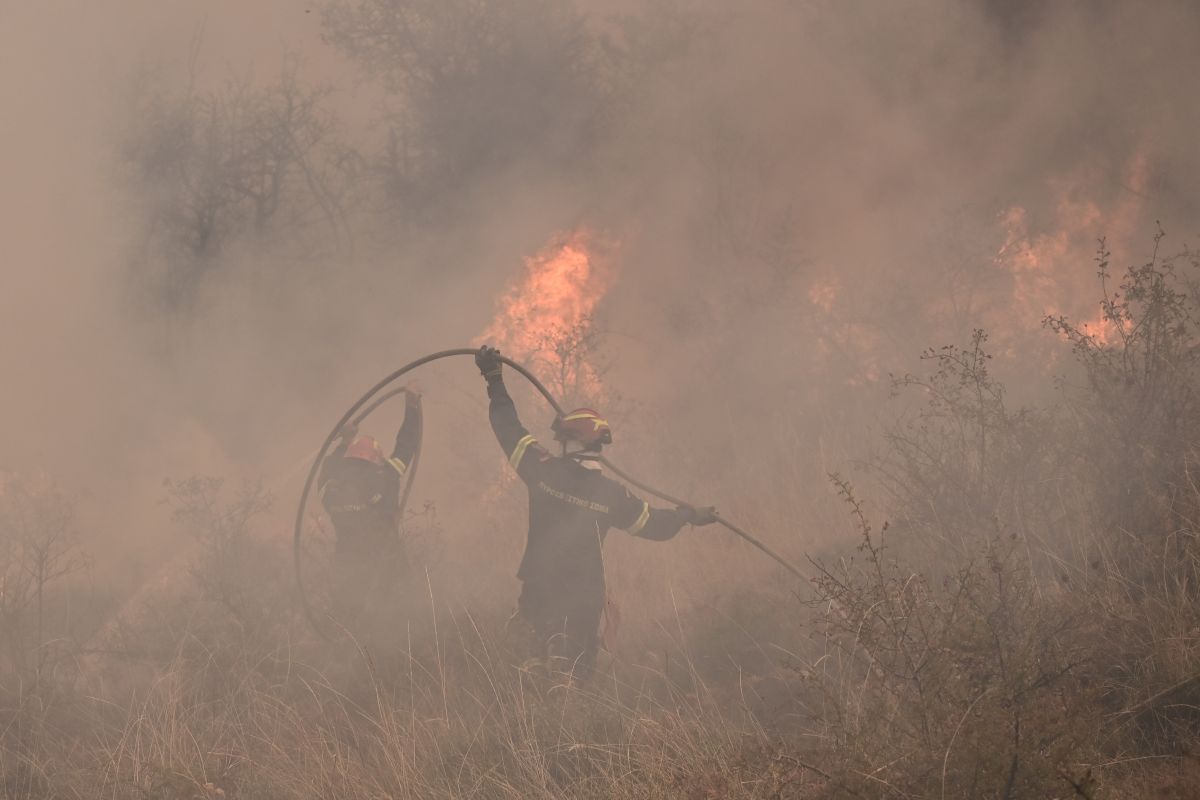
[
  {"x": 1029, "y": 629},
  {"x": 231, "y": 618},
  {"x": 967, "y": 464},
  {"x": 1135, "y": 426},
  {"x": 1136, "y": 420},
  {"x": 969, "y": 687}
]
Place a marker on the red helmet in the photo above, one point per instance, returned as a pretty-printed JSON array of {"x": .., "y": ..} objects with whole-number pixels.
[
  {"x": 365, "y": 448},
  {"x": 583, "y": 425}
]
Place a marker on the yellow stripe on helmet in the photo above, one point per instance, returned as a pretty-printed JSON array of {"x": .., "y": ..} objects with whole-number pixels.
[
  {"x": 519, "y": 451},
  {"x": 597, "y": 422}
]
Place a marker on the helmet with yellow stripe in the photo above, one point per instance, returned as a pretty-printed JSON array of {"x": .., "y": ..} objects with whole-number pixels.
[{"x": 583, "y": 425}]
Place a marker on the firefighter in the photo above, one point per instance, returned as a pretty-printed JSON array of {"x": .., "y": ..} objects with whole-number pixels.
[
  {"x": 571, "y": 507},
  {"x": 360, "y": 490}
]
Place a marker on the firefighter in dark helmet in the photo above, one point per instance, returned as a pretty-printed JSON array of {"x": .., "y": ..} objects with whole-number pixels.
[
  {"x": 360, "y": 490},
  {"x": 571, "y": 507}
]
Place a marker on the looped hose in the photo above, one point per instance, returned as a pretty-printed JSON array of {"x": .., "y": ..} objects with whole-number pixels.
[{"x": 371, "y": 402}]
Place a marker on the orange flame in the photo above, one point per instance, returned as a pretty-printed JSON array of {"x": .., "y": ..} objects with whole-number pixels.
[
  {"x": 544, "y": 319},
  {"x": 1049, "y": 269}
]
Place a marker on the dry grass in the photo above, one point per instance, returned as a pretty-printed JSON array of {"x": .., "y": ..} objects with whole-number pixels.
[
  {"x": 1029, "y": 627},
  {"x": 453, "y": 721}
]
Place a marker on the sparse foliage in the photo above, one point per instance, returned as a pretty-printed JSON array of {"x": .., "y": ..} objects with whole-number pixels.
[
  {"x": 224, "y": 567},
  {"x": 1137, "y": 420},
  {"x": 226, "y": 624},
  {"x": 480, "y": 85},
  {"x": 39, "y": 549},
  {"x": 967, "y": 687},
  {"x": 571, "y": 357},
  {"x": 240, "y": 162},
  {"x": 967, "y": 466},
  {"x": 1134, "y": 427}
]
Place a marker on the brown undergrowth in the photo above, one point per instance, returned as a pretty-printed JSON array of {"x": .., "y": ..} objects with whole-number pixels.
[{"x": 1025, "y": 625}]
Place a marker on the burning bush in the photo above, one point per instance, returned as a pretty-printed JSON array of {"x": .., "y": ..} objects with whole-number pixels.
[{"x": 1030, "y": 627}]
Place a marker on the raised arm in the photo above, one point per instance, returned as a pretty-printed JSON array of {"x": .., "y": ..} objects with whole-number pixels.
[
  {"x": 408, "y": 438},
  {"x": 518, "y": 443}
]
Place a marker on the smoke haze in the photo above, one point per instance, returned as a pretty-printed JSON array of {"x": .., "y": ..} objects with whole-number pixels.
[{"x": 799, "y": 196}]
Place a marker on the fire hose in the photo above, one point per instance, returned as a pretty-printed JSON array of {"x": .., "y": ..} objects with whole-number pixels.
[{"x": 371, "y": 402}]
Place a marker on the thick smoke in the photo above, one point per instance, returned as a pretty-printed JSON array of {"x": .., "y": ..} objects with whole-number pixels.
[{"x": 801, "y": 195}]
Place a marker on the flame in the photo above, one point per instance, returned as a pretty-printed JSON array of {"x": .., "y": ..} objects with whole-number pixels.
[
  {"x": 836, "y": 335},
  {"x": 1048, "y": 269},
  {"x": 1045, "y": 265},
  {"x": 545, "y": 317},
  {"x": 1102, "y": 330},
  {"x": 1038, "y": 263}
]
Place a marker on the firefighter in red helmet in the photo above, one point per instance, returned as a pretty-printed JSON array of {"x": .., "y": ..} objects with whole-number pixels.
[
  {"x": 360, "y": 490},
  {"x": 572, "y": 505}
]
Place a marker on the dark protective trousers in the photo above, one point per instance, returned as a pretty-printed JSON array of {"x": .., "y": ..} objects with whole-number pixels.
[{"x": 564, "y": 621}]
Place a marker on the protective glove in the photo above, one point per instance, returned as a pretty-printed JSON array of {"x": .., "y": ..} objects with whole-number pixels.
[
  {"x": 704, "y": 515},
  {"x": 488, "y": 361},
  {"x": 348, "y": 432}
]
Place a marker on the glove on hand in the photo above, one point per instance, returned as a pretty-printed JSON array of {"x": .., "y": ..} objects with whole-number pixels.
[
  {"x": 488, "y": 361},
  {"x": 704, "y": 515}
]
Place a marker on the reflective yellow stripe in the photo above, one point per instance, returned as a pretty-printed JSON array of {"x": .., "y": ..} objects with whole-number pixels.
[
  {"x": 519, "y": 451},
  {"x": 398, "y": 465},
  {"x": 597, "y": 423},
  {"x": 636, "y": 527}
]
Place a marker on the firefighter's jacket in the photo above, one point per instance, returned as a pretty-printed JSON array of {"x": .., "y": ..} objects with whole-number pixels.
[
  {"x": 571, "y": 507},
  {"x": 362, "y": 498}
]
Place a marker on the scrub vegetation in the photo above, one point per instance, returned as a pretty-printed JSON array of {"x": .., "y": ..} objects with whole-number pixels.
[
  {"x": 1024, "y": 626},
  {"x": 748, "y": 220}
]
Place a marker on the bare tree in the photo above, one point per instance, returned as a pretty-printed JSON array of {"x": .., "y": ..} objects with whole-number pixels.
[
  {"x": 38, "y": 549},
  {"x": 239, "y": 162},
  {"x": 481, "y": 84},
  {"x": 225, "y": 564},
  {"x": 570, "y": 357}
]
